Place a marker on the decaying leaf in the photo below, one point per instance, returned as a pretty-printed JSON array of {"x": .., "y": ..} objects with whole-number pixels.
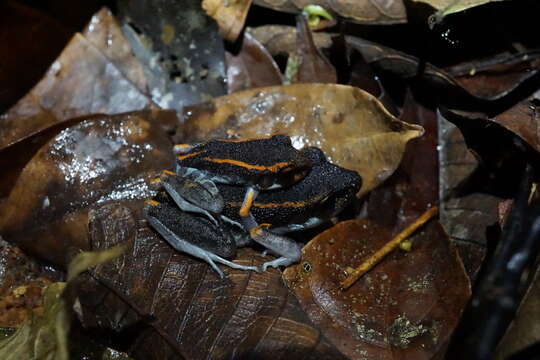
[
  {"x": 252, "y": 67},
  {"x": 353, "y": 129},
  {"x": 313, "y": 66},
  {"x": 179, "y": 47},
  {"x": 81, "y": 81},
  {"x": 413, "y": 188},
  {"x": 364, "y": 11},
  {"x": 98, "y": 160},
  {"x": 190, "y": 311},
  {"x": 405, "y": 308},
  {"x": 465, "y": 217},
  {"x": 46, "y": 336},
  {"x": 493, "y": 77},
  {"x": 230, "y": 15},
  {"x": 104, "y": 32}
]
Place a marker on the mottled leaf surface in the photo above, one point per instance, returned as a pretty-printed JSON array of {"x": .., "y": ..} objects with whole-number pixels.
[
  {"x": 406, "y": 307},
  {"x": 352, "y": 127}
]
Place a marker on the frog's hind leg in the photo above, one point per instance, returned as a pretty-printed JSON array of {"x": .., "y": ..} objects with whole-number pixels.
[
  {"x": 160, "y": 219},
  {"x": 290, "y": 252}
]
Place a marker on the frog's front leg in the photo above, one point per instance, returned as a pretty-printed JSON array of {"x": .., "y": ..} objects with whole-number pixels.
[
  {"x": 249, "y": 198},
  {"x": 289, "y": 251},
  {"x": 193, "y": 192}
]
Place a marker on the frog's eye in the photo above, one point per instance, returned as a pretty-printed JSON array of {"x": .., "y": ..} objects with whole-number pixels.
[{"x": 307, "y": 267}]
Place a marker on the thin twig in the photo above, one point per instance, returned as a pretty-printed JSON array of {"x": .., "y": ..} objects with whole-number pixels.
[{"x": 388, "y": 247}]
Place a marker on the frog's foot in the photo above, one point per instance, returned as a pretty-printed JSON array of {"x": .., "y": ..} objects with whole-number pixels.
[
  {"x": 193, "y": 193},
  {"x": 288, "y": 249}
]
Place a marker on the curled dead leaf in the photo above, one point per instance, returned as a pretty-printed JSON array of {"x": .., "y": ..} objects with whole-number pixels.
[
  {"x": 351, "y": 126},
  {"x": 405, "y": 308}
]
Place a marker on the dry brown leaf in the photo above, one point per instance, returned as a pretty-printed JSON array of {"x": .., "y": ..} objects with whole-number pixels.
[
  {"x": 405, "y": 308},
  {"x": 351, "y": 126},
  {"x": 229, "y": 14},
  {"x": 81, "y": 81},
  {"x": 361, "y": 11},
  {"x": 104, "y": 32}
]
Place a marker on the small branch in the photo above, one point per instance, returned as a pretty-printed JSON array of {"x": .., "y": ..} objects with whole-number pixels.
[{"x": 388, "y": 247}]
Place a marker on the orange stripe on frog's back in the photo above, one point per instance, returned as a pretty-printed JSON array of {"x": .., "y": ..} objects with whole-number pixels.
[{"x": 272, "y": 168}]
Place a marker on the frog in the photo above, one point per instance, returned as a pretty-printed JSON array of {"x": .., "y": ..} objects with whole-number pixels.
[
  {"x": 259, "y": 164},
  {"x": 316, "y": 197}
]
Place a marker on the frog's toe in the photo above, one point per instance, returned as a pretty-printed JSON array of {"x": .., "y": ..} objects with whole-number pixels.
[
  {"x": 231, "y": 264},
  {"x": 282, "y": 261}
]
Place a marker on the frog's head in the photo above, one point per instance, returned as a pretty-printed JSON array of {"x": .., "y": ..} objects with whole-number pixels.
[{"x": 336, "y": 187}]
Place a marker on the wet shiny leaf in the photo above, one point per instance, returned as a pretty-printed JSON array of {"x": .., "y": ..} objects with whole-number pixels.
[
  {"x": 100, "y": 159},
  {"x": 353, "y": 129},
  {"x": 230, "y": 15},
  {"x": 190, "y": 312},
  {"x": 364, "y": 11},
  {"x": 405, "y": 308},
  {"x": 252, "y": 67}
]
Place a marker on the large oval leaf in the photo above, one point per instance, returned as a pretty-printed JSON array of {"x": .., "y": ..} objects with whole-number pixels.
[
  {"x": 351, "y": 126},
  {"x": 406, "y": 307}
]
